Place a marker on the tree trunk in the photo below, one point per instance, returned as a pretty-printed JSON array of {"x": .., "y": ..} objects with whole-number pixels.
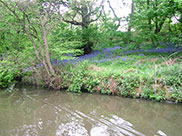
[
  {"x": 132, "y": 11},
  {"x": 47, "y": 54},
  {"x": 37, "y": 53},
  {"x": 87, "y": 48},
  {"x": 149, "y": 18}
]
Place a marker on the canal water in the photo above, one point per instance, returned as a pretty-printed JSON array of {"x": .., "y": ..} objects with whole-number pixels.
[{"x": 29, "y": 111}]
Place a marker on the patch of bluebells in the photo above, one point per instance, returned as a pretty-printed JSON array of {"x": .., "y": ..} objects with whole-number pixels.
[
  {"x": 112, "y": 49},
  {"x": 132, "y": 51},
  {"x": 108, "y": 54},
  {"x": 164, "y": 50},
  {"x": 125, "y": 58}
]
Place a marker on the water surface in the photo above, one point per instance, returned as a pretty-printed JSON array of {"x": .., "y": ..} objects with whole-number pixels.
[{"x": 39, "y": 112}]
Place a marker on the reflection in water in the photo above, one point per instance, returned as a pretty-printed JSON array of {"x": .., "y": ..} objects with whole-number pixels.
[
  {"x": 33, "y": 112},
  {"x": 99, "y": 131},
  {"x": 72, "y": 128}
]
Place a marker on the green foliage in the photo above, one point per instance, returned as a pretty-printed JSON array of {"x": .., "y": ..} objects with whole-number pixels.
[
  {"x": 77, "y": 78},
  {"x": 64, "y": 41},
  {"x": 90, "y": 34},
  {"x": 172, "y": 75},
  {"x": 6, "y": 78},
  {"x": 11, "y": 37},
  {"x": 149, "y": 93},
  {"x": 9, "y": 73},
  {"x": 177, "y": 95},
  {"x": 152, "y": 21},
  {"x": 91, "y": 82},
  {"x": 80, "y": 80},
  {"x": 158, "y": 96},
  {"x": 107, "y": 34},
  {"x": 146, "y": 93}
]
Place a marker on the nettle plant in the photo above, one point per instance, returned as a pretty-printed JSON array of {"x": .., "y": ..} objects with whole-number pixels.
[{"x": 77, "y": 74}]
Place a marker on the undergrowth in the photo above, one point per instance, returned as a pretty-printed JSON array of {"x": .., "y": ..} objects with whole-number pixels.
[{"x": 148, "y": 77}]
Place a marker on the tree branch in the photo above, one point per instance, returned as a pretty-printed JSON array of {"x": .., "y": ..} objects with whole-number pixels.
[
  {"x": 72, "y": 22},
  {"x": 118, "y": 19},
  {"x": 178, "y": 19},
  {"x": 96, "y": 11}
]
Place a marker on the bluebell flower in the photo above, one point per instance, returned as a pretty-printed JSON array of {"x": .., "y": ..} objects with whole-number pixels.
[
  {"x": 100, "y": 60},
  {"x": 125, "y": 58},
  {"x": 141, "y": 54},
  {"x": 117, "y": 57},
  {"x": 39, "y": 65}
]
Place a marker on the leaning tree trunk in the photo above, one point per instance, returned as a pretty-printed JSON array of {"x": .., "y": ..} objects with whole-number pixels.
[{"x": 47, "y": 54}]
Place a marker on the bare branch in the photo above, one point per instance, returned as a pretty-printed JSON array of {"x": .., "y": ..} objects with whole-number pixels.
[
  {"x": 118, "y": 19},
  {"x": 72, "y": 22},
  {"x": 93, "y": 20},
  {"x": 96, "y": 11},
  {"x": 178, "y": 19}
]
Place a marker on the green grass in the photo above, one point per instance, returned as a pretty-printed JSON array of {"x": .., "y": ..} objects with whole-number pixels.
[{"x": 141, "y": 65}]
